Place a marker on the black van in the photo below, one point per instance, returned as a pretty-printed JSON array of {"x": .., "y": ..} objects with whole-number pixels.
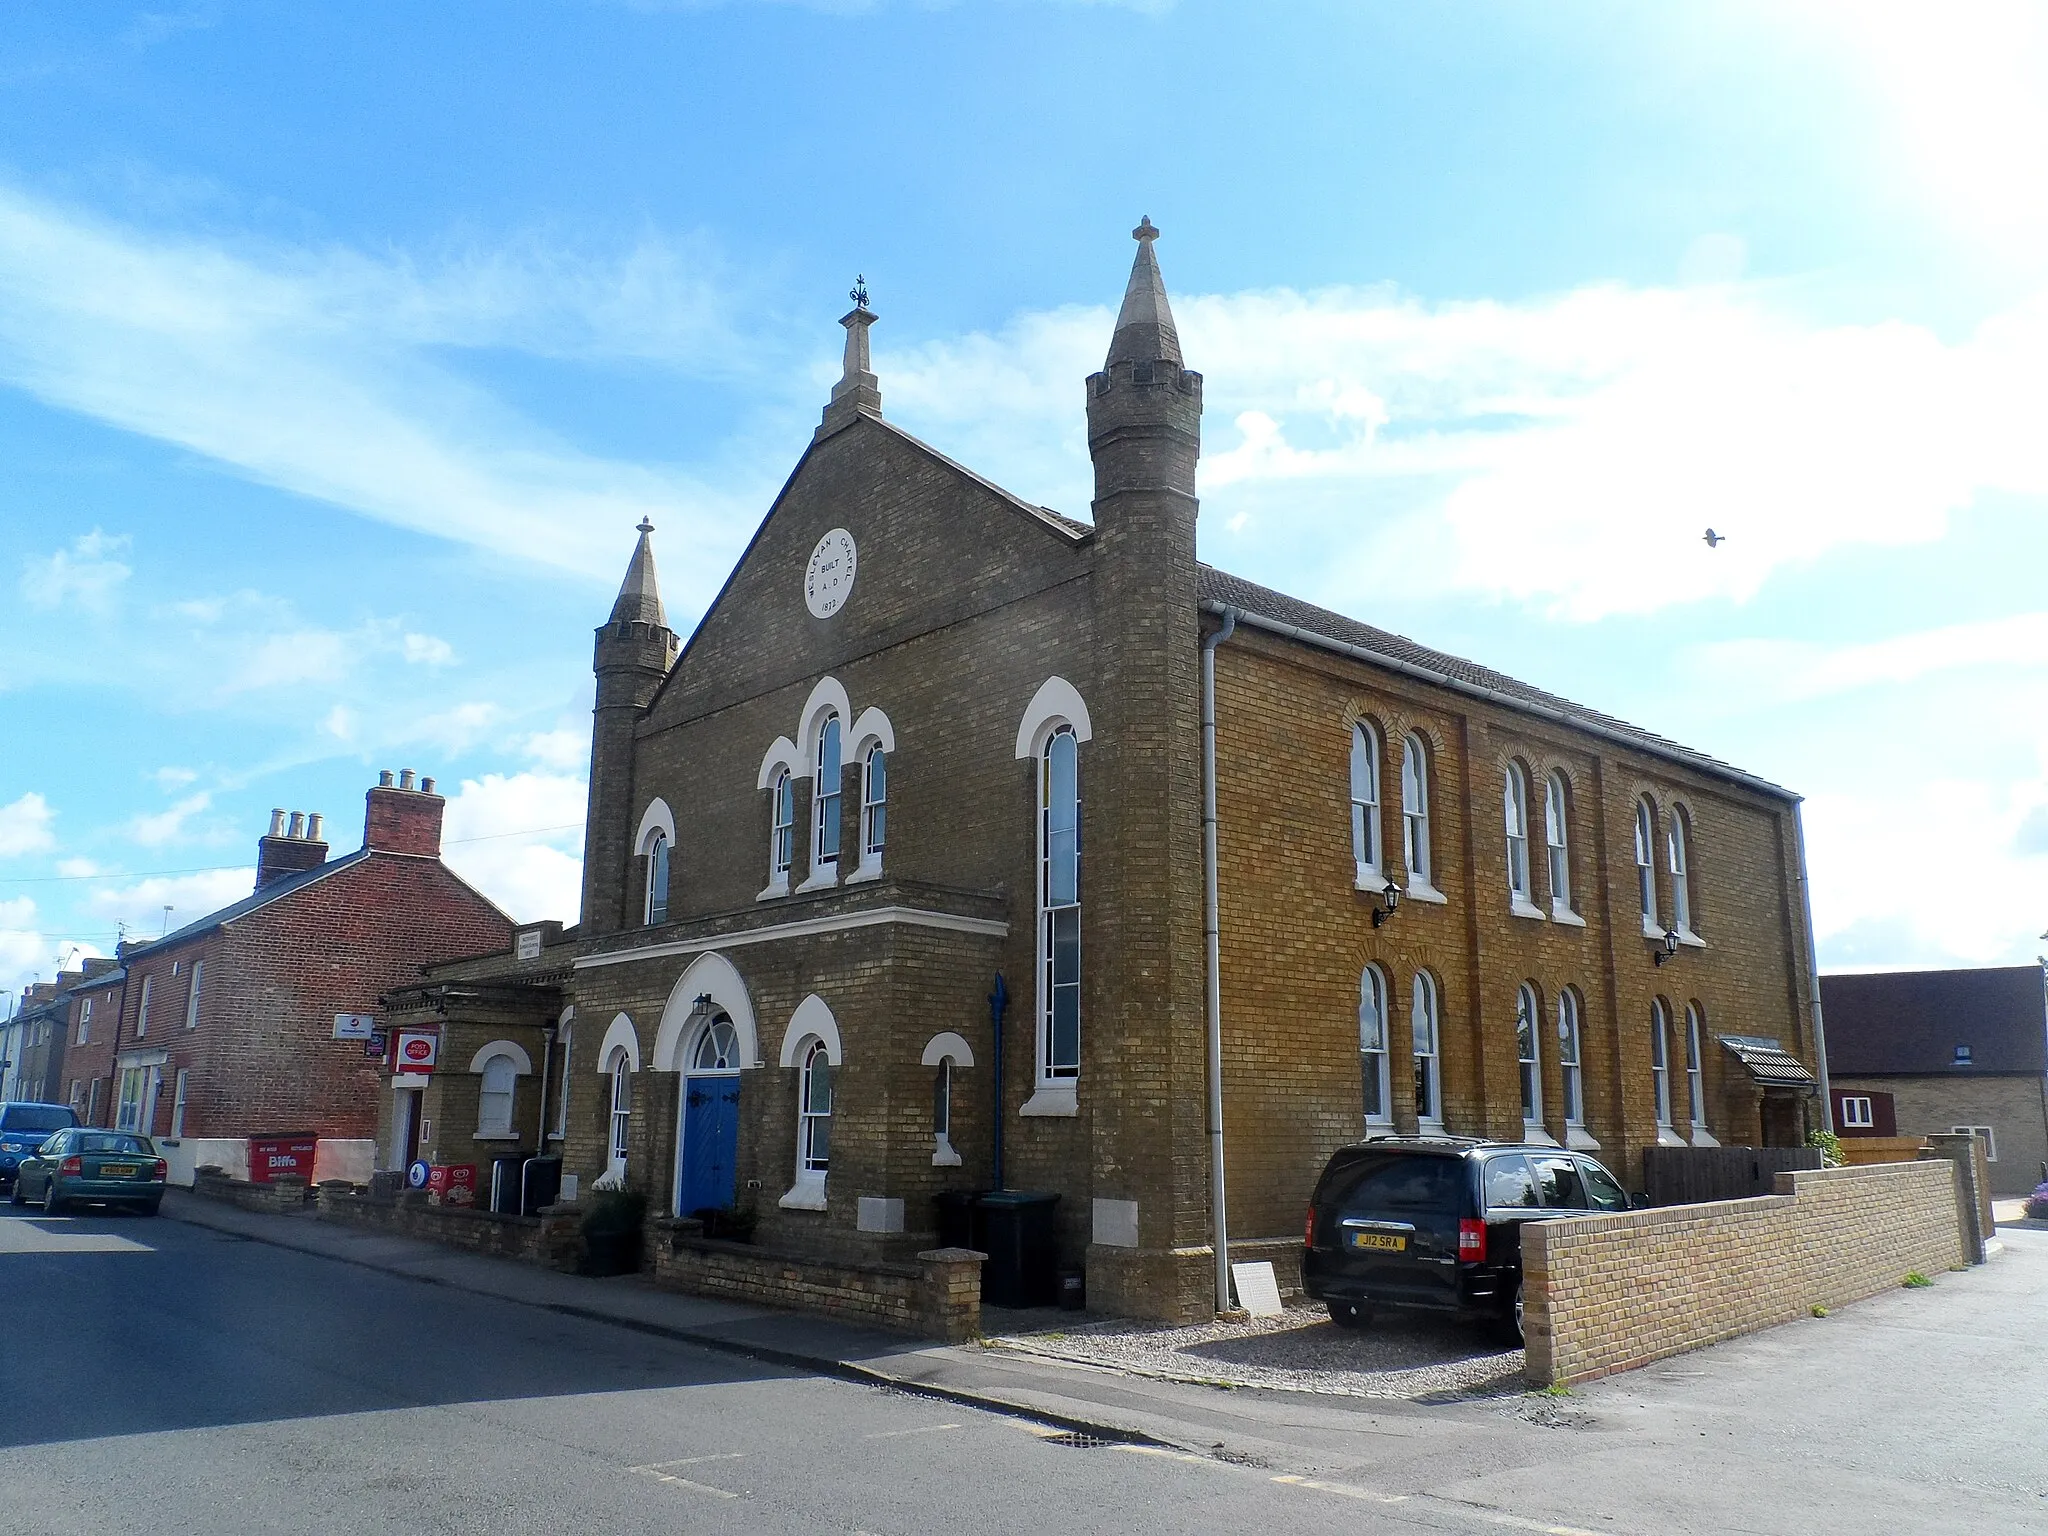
[{"x": 1435, "y": 1223}]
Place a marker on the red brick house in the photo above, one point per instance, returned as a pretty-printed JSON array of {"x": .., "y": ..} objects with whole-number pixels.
[{"x": 227, "y": 1028}]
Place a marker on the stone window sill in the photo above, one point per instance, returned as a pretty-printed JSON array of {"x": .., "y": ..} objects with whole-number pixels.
[
  {"x": 1690, "y": 939},
  {"x": 1566, "y": 916},
  {"x": 1668, "y": 1137},
  {"x": 1420, "y": 889},
  {"x": 779, "y": 886},
  {"x": 1651, "y": 930},
  {"x": 821, "y": 880},
  {"x": 1517, "y": 907},
  {"x": 866, "y": 871},
  {"x": 1579, "y": 1139},
  {"x": 1429, "y": 1127},
  {"x": 1535, "y": 1135},
  {"x": 1367, "y": 878},
  {"x": 495, "y": 1136},
  {"x": 1702, "y": 1137},
  {"x": 1056, "y": 1099},
  {"x": 806, "y": 1194},
  {"x": 943, "y": 1155}
]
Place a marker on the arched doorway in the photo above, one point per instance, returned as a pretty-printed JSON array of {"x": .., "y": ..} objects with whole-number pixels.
[{"x": 707, "y": 1140}]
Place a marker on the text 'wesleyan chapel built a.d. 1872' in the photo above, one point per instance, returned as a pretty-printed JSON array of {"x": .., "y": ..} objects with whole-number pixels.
[{"x": 930, "y": 735}]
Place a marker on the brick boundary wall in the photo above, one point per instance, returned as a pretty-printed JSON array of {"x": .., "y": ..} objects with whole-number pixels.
[
  {"x": 1609, "y": 1293},
  {"x": 282, "y": 1196},
  {"x": 530, "y": 1239},
  {"x": 938, "y": 1296}
]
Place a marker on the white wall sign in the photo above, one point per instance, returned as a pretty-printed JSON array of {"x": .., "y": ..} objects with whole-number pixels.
[
  {"x": 828, "y": 579},
  {"x": 1258, "y": 1292},
  {"x": 354, "y": 1026}
]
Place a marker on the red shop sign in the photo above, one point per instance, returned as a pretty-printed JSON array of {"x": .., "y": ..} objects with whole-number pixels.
[
  {"x": 273, "y": 1156},
  {"x": 418, "y": 1050}
]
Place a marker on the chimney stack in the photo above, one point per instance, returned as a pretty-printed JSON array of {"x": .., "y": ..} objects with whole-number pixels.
[
  {"x": 292, "y": 845},
  {"x": 403, "y": 819}
]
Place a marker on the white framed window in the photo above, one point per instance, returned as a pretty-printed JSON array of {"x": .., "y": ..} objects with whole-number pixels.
[
  {"x": 77, "y": 1100},
  {"x": 1557, "y": 842},
  {"x": 814, "y": 1110},
  {"x": 1429, "y": 1107},
  {"x": 1059, "y": 907},
  {"x": 1529, "y": 1059},
  {"x": 1571, "y": 1058},
  {"x": 1679, "y": 866},
  {"x": 620, "y": 1070},
  {"x": 128, "y": 1107},
  {"x": 192, "y": 994},
  {"x": 494, "y": 1096},
  {"x": 566, "y": 1042},
  {"x": 85, "y": 1021},
  {"x": 1857, "y": 1114},
  {"x": 1984, "y": 1134},
  {"x": 874, "y": 806},
  {"x": 1695, "y": 1069},
  {"x": 1646, "y": 867},
  {"x": 657, "y": 880},
  {"x": 1515, "y": 806},
  {"x": 142, "y": 1017},
  {"x": 1365, "y": 805},
  {"x": 178, "y": 1100},
  {"x": 782, "y": 836},
  {"x": 1374, "y": 1075},
  {"x": 1660, "y": 1062},
  {"x": 1415, "y": 810},
  {"x": 718, "y": 1047},
  {"x": 942, "y": 1104},
  {"x": 829, "y": 768}
]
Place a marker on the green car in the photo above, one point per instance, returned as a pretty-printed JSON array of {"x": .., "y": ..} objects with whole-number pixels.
[{"x": 82, "y": 1167}]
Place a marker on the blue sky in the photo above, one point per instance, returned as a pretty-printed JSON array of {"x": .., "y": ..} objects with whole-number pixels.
[{"x": 341, "y": 346}]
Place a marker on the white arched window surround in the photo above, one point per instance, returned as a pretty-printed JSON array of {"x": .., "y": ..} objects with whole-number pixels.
[
  {"x": 1695, "y": 1075},
  {"x": 1529, "y": 1060},
  {"x": 1375, "y": 1075},
  {"x": 1365, "y": 807},
  {"x": 1646, "y": 867},
  {"x": 565, "y": 1037},
  {"x": 812, "y": 1035},
  {"x": 945, "y": 1054},
  {"x": 1416, "y": 852},
  {"x": 1660, "y": 1072},
  {"x": 1056, "y": 706},
  {"x": 1557, "y": 813},
  {"x": 827, "y": 702},
  {"x": 778, "y": 775},
  {"x": 1057, "y": 1010},
  {"x": 1678, "y": 864},
  {"x": 828, "y": 784},
  {"x": 655, "y": 841},
  {"x": 1571, "y": 1059},
  {"x": 499, "y": 1066},
  {"x": 620, "y": 1036},
  {"x": 709, "y": 975},
  {"x": 1056, "y": 703},
  {"x": 618, "y": 1072},
  {"x": 1426, "y": 1035},
  {"x": 1515, "y": 805},
  {"x": 872, "y": 746}
]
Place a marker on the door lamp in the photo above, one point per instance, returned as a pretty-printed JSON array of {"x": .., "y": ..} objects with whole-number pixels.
[{"x": 1391, "y": 896}]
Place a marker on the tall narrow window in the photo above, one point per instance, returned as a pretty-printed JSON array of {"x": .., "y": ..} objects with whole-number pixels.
[
  {"x": 1660, "y": 1061},
  {"x": 561, "y": 1130},
  {"x": 942, "y": 1102},
  {"x": 142, "y": 1016},
  {"x": 1681, "y": 894},
  {"x": 874, "y": 805},
  {"x": 1515, "y": 797},
  {"x": 782, "y": 841},
  {"x": 1059, "y": 907},
  {"x": 1695, "y": 1075},
  {"x": 1372, "y": 1048},
  {"x": 1557, "y": 837},
  {"x": 128, "y": 1108},
  {"x": 825, "y": 806},
  {"x": 1569, "y": 1058},
  {"x": 85, "y": 1021},
  {"x": 1646, "y": 867},
  {"x": 1365, "y": 804},
  {"x": 1428, "y": 1084},
  {"x": 814, "y": 1110},
  {"x": 1530, "y": 1062},
  {"x": 494, "y": 1097},
  {"x": 657, "y": 880},
  {"x": 621, "y": 1071},
  {"x": 1415, "y": 810},
  {"x": 192, "y": 994},
  {"x": 177, "y": 1100}
]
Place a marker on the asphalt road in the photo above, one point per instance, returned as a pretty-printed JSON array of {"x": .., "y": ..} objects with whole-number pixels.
[{"x": 160, "y": 1377}]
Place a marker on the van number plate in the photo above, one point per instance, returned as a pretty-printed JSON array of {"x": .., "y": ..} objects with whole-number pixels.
[{"x": 1390, "y": 1242}]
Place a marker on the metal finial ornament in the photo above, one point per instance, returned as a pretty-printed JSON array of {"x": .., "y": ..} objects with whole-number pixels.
[
  {"x": 859, "y": 292},
  {"x": 646, "y": 524},
  {"x": 1146, "y": 229}
]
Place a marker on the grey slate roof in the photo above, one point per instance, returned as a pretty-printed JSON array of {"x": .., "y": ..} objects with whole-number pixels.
[
  {"x": 1892, "y": 1023},
  {"x": 277, "y": 890},
  {"x": 1234, "y": 591},
  {"x": 1771, "y": 1068}
]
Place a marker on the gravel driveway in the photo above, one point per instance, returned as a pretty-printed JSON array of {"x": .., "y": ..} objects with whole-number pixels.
[{"x": 1300, "y": 1351}]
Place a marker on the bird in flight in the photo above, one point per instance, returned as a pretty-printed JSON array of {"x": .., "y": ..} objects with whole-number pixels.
[{"x": 1715, "y": 540}]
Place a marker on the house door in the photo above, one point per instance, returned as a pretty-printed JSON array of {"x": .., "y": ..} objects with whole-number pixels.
[
  {"x": 405, "y": 1140},
  {"x": 707, "y": 1146}
]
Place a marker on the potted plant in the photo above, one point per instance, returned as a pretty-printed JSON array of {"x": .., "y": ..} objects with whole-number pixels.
[{"x": 612, "y": 1232}]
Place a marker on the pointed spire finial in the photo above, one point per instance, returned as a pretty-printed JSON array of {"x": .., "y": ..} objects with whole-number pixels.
[
  {"x": 859, "y": 292},
  {"x": 640, "y": 593},
  {"x": 645, "y": 525},
  {"x": 1146, "y": 229},
  {"x": 1144, "y": 326},
  {"x": 858, "y": 389}
]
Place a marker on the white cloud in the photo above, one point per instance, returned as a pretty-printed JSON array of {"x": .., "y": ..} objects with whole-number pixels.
[
  {"x": 428, "y": 650},
  {"x": 87, "y": 573},
  {"x": 77, "y": 869},
  {"x": 171, "y": 777},
  {"x": 493, "y": 837},
  {"x": 166, "y": 826},
  {"x": 24, "y": 949},
  {"x": 25, "y": 826},
  {"x": 1769, "y": 671},
  {"x": 563, "y": 749},
  {"x": 140, "y": 905},
  {"x": 287, "y": 661}
]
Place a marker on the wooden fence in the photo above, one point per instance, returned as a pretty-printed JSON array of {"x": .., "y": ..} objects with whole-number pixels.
[
  {"x": 1692, "y": 1175},
  {"x": 1861, "y": 1151}
]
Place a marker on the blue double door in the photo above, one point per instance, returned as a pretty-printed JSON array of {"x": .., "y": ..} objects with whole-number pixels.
[{"x": 711, "y": 1138}]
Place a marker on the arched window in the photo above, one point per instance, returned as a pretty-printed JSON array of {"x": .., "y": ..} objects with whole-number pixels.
[
  {"x": 942, "y": 1105},
  {"x": 1660, "y": 1061},
  {"x": 567, "y": 1041},
  {"x": 1557, "y": 837},
  {"x": 1415, "y": 809},
  {"x": 782, "y": 840},
  {"x": 825, "y": 799},
  {"x": 1428, "y": 1083},
  {"x": 1059, "y": 907},
  {"x": 1570, "y": 1058},
  {"x": 1646, "y": 867},
  {"x": 1515, "y": 797},
  {"x": 874, "y": 806},
  {"x": 1372, "y": 1048},
  {"x": 718, "y": 1048},
  {"x": 1695, "y": 1076},
  {"x": 1526, "y": 1054},
  {"x": 620, "y": 1070},
  {"x": 657, "y": 880},
  {"x": 814, "y": 1110},
  {"x": 1365, "y": 804},
  {"x": 1681, "y": 893},
  {"x": 494, "y": 1099}
]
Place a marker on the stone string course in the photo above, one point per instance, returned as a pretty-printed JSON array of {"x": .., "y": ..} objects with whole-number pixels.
[{"x": 1609, "y": 1293}]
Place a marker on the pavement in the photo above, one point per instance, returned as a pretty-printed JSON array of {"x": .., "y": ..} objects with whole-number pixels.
[{"x": 1916, "y": 1410}]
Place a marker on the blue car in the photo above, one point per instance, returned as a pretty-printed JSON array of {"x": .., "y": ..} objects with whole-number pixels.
[{"x": 23, "y": 1128}]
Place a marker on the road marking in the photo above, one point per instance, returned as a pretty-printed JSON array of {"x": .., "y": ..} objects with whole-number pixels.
[
  {"x": 1447, "y": 1506},
  {"x": 690, "y": 1461},
  {"x": 1171, "y": 1455},
  {"x": 1343, "y": 1490},
  {"x": 924, "y": 1429},
  {"x": 684, "y": 1482}
]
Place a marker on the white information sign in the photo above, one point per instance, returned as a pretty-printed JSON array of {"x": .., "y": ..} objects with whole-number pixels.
[
  {"x": 1258, "y": 1292},
  {"x": 354, "y": 1026}
]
